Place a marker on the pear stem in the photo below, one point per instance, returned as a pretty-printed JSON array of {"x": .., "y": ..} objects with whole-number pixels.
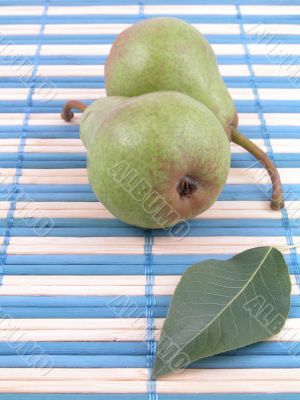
[
  {"x": 277, "y": 196},
  {"x": 67, "y": 113}
]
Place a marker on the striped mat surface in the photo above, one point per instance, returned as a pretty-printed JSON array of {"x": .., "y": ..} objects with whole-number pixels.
[{"x": 83, "y": 295}]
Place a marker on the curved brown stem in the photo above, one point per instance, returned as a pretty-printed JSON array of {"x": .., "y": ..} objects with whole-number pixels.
[
  {"x": 277, "y": 196},
  {"x": 67, "y": 113}
]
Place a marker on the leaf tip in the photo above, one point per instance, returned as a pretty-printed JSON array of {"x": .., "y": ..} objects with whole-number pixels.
[{"x": 160, "y": 369}]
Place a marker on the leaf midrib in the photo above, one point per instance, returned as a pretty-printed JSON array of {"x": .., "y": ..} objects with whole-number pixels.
[{"x": 233, "y": 299}]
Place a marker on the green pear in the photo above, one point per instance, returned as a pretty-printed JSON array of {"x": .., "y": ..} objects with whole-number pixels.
[
  {"x": 154, "y": 160},
  {"x": 94, "y": 116},
  {"x": 168, "y": 54}
]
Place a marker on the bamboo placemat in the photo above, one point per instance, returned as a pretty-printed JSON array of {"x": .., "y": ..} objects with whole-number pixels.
[{"x": 83, "y": 296}]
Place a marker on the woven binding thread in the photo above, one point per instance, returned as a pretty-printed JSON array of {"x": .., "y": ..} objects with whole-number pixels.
[
  {"x": 141, "y": 9},
  {"x": 150, "y": 300},
  {"x": 14, "y": 189},
  {"x": 266, "y": 137},
  {"x": 150, "y": 303}
]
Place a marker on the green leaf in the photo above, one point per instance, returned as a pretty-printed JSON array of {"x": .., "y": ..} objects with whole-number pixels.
[{"x": 223, "y": 305}]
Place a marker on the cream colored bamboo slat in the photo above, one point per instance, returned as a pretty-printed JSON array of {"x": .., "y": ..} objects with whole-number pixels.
[
  {"x": 98, "y": 324},
  {"x": 90, "y": 93},
  {"x": 88, "y": 324},
  {"x": 69, "y": 94},
  {"x": 76, "y": 245},
  {"x": 134, "y": 245},
  {"x": 92, "y": 280},
  {"x": 121, "y": 290},
  {"x": 141, "y": 387},
  {"x": 38, "y": 213},
  {"x": 161, "y": 9},
  {"x": 158, "y": 241},
  {"x": 112, "y": 28},
  {"x": 254, "y": 176},
  {"x": 250, "y": 119},
  {"x": 75, "y": 145},
  {"x": 105, "y": 214},
  {"x": 20, "y": 10},
  {"x": 41, "y": 142},
  {"x": 52, "y": 10},
  {"x": 88, "y": 280},
  {"x": 217, "y": 206},
  {"x": 84, "y": 374},
  {"x": 221, "y": 10},
  {"x": 57, "y": 205},
  {"x": 94, "y": 10},
  {"x": 141, "y": 374},
  {"x": 111, "y": 335},
  {"x": 95, "y": 210},
  {"x": 153, "y": 9},
  {"x": 43, "y": 149},
  {"x": 283, "y": 9},
  {"x": 103, "y": 49},
  {"x": 284, "y": 172},
  {"x": 285, "y": 70}
]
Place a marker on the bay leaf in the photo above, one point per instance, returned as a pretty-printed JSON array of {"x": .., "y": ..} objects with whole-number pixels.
[{"x": 223, "y": 305}]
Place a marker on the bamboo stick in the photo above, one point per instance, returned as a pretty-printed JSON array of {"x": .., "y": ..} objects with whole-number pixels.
[
  {"x": 108, "y": 335},
  {"x": 135, "y": 245},
  {"x": 141, "y": 374},
  {"x": 163, "y": 241},
  {"x": 98, "y": 324},
  {"x": 103, "y": 49},
  {"x": 113, "y": 335},
  {"x": 99, "y": 374},
  {"x": 219, "y": 240},
  {"x": 135, "y": 387},
  {"x": 238, "y": 93},
  {"x": 52, "y": 149},
  {"x": 92, "y": 280},
  {"x": 269, "y": 10},
  {"x": 73, "y": 250},
  {"x": 98, "y": 70},
  {"x": 226, "y": 206},
  {"x": 38, "y": 213},
  {"x": 205, "y": 28},
  {"x": 217, "y": 206},
  {"x": 75, "y": 180},
  {"x": 250, "y": 119},
  {"x": 46, "y": 145},
  {"x": 95, "y": 250},
  {"x": 277, "y": 70},
  {"x": 51, "y": 180},
  {"x": 88, "y": 280},
  {"x": 21, "y": 10},
  {"x": 90, "y": 241},
  {"x": 255, "y": 177},
  {"x": 41, "y": 142},
  {"x": 64, "y": 290},
  {"x": 36, "y": 324},
  {"x": 59, "y": 205},
  {"x": 256, "y": 174},
  {"x": 94, "y": 10},
  {"x": 104, "y": 214},
  {"x": 83, "y": 290},
  {"x": 272, "y": 386}
]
